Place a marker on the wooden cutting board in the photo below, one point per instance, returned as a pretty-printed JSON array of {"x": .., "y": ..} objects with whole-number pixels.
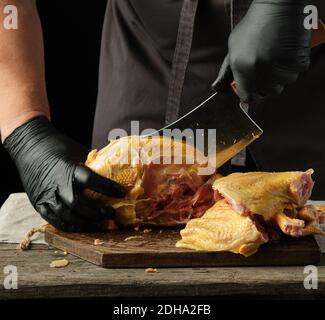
[{"x": 157, "y": 249}]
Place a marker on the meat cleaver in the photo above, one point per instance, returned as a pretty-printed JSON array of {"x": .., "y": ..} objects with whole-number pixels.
[
  {"x": 222, "y": 111},
  {"x": 221, "y": 128}
]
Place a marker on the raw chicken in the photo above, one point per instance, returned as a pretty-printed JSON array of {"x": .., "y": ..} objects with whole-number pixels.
[
  {"x": 321, "y": 213},
  {"x": 237, "y": 213},
  {"x": 254, "y": 208},
  {"x": 223, "y": 229},
  {"x": 162, "y": 179},
  {"x": 265, "y": 193},
  {"x": 289, "y": 225}
]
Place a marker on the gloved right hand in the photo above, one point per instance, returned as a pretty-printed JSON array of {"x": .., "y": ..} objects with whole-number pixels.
[
  {"x": 52, "y": 173},
  {"x": 268, "y": 49}
]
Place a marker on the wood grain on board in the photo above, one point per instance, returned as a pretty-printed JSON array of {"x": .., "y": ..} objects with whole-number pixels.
[{"x": 157, "y": 249}]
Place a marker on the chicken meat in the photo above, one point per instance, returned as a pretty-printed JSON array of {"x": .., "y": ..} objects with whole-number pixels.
[
  {"x": 254, "y": 208},
  {"x": 236, "y": 213},
  {"x": 265, "y": 193},
  {"x": 223, "y": 229},
  {"x": 162, "y": 179}
]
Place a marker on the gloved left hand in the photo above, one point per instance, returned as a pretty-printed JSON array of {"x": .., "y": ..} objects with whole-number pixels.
[
  {"x": 268, "y": 50},
  {"x": 51, "y": 168}
]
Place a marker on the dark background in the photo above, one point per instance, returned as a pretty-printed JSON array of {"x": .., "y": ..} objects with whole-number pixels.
[{"x": 72, "y": 33}]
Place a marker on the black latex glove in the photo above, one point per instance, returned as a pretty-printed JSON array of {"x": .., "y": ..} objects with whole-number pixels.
[
  {"x": 267, "y": 50},
  {"x": 51, "y": 170}
]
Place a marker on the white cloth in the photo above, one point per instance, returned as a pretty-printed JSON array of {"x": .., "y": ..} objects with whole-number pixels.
[{"x": 17, "y": 217}]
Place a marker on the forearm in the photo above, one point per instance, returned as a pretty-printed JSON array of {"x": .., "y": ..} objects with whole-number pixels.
[{"x": 22, "y": 80}]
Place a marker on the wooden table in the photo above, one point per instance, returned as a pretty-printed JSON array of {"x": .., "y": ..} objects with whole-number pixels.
[{"x": 81, "y": 279}]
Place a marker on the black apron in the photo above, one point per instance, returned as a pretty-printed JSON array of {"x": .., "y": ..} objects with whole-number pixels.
[
  {"x": 141, "y": 72},
  {"x": 138, "y": 45}
]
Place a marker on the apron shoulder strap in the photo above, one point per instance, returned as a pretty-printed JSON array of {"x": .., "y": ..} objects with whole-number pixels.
[{"x": 180, "y": 59}]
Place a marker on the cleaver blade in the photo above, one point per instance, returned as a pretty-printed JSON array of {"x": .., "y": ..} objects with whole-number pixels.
[{"x": 220, "y": 122}]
